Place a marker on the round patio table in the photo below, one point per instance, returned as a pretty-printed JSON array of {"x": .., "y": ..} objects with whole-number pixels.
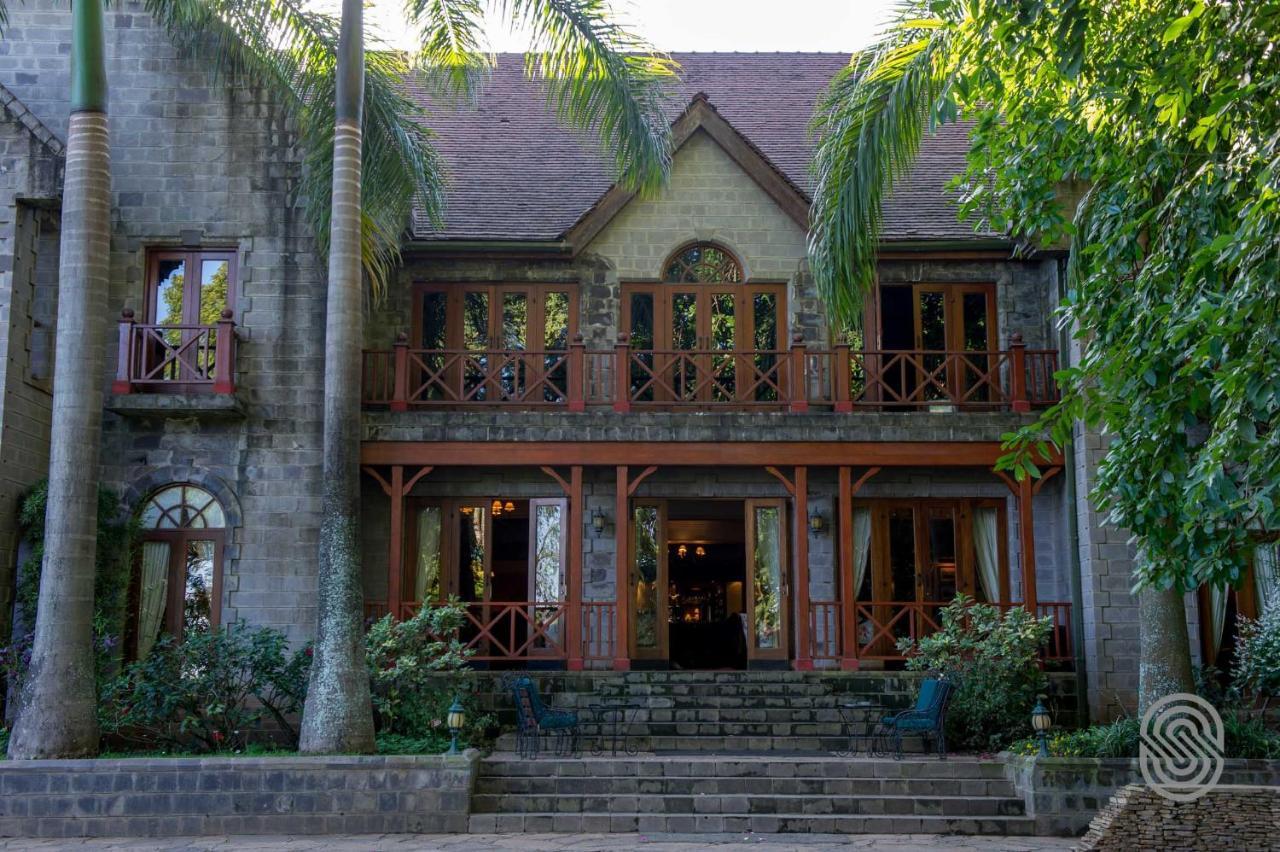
[
  {"x": 612, "y": 719},
  {"x": 862, "y": 727}
]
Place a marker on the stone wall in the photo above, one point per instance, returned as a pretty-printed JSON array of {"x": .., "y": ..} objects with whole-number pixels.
[
  {"x": 206, "y": 797},
  {"x": 31, "y": 158},
  {"x": 1235, "y": 817},
  {"x": 198, "y": 162},
  {"x": 1064, "y": 793}
]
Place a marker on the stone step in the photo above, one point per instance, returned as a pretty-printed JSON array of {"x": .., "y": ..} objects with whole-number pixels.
[
  {"x": 773, "y": 803},
  {"x": 708, "y": 767},
  {"x": 542, "y": 785},
  {"x": 831, "y": 745},
  {"x": 603, "y": 822},
  {"x": 710, "y": 703}
]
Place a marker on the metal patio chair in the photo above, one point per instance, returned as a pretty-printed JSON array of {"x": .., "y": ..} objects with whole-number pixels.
[
  {"x": 928, "y": 718},
  {"x": 533, "y": 719}
]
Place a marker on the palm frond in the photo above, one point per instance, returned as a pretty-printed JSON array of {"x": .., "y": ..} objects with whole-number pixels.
[
  {"x": 869, "y": 126},
  {"x": 602, "y": 78},
  {"x": 449, "y": 53},
  {"x": 292, "y": 52}
]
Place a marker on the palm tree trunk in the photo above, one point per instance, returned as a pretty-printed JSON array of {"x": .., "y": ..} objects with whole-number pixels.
[
  {"x": 57, "y": 712},
  {"x": 1164, "y": 646},
  {"x": 338, "y": 715}
]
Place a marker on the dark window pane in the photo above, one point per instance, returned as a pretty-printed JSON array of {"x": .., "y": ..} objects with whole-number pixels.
[
  {"x": 897, "y": 328},
  {"x": 434, "y": 320},
  {"x": 933, "y": 330},
  {"x": 475, "y": 320},
  {"x": 515, "y": 320},
  {"x": 555, "y": 322},
  {"x": 684, "y": 321},
  {"x": 976, "y": 333},
  {"x": 169, "y": 292}
]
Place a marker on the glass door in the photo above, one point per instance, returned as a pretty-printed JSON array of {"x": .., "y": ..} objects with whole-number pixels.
[
  {"x": 548, "y": 522},
  {"x": 767, "y": 622},
  {"x": 186, "y": 294},
  {"x": 649, "y": 585}
]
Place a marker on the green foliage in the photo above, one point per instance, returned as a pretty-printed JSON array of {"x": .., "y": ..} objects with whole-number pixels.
[
  {"x": 1145, "y": 134},
  {"x": 1243, "y": 737},
  {"x": 433, "y": 743},
  {"x": 1256, "y": 672},
  {"x": 117, "y": 542},
  {"x": 416, "y": 668},
  {"x": 209, "y": 693},
  {"x": 1116, "y": 740},
  {"x": 994, "y": 657},
  {"x": 4, "y": 743}
]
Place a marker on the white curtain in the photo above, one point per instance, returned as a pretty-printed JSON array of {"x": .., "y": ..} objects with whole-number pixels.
[
  {"x": 861, "y": 558},
  {"x": 155, "y": 587},
  {"x": 1266, "y": 575},
  {"x": 1217, "y": 616},
  {"x": 426, "y": 586},
  {"x": 986, "y": 540}
]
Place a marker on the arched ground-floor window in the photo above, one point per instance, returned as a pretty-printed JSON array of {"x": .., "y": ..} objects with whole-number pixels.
[{"x": 177, "y": 585}]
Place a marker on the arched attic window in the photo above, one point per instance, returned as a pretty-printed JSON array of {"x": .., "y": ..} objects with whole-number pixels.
[{"x": 702, "y": 262}]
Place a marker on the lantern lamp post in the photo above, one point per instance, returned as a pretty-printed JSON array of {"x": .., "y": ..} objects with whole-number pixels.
[
  {"x": 456, "y": 719},
  {"x": 1041, "y": 722}
]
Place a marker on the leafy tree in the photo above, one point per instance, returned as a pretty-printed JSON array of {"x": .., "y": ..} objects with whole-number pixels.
[{"x": 1145, "y": 132}]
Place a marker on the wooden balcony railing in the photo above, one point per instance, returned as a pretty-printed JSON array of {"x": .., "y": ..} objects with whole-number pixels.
[
  {"x": 155, "y": 358},
  {"x": 881, "y": 624},
  {"x": 509, "y": 631},
  {"x": 839, "y": 379}
]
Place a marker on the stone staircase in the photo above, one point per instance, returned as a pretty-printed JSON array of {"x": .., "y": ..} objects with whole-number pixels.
[
  {"x": 735, "y": 752},
  {"x": 761, "y": 793},
  {"x": 770, "y": 712}
]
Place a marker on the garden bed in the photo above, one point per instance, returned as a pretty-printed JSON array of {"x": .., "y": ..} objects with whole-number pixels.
[{"x": 205, "y": 796}]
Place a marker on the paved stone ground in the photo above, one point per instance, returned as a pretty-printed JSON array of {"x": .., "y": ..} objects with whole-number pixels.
[{"x": 554, "y": 843}]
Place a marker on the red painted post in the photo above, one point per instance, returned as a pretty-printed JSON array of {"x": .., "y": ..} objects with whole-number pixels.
[
  {"x": 573, "y": 581},
  {"x": 803, "y": 659},
  {"x": 1018, "y": 373},
  {"x": 848, "y": 594},
  {"x": 124, "y": 354},
  {"x": 400, "y": 391},
  {"x": 622, "y": 373},
  {"x": 395, "y": 554},
  {"x": 799, "y": 383},
  {"x": 622, "y": 569},
  {"x": 577, "y": 376},
  {"x": 224, "y": 356},
  {"x": 1027, "y": 536},
  {"x": 840, "y": 377}
]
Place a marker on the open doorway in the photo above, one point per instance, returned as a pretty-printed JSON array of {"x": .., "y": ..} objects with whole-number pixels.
[{"x": 707, "y": 559}]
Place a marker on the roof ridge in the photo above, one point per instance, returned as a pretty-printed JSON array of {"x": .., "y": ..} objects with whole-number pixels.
[{"x": 28, "y": 119}]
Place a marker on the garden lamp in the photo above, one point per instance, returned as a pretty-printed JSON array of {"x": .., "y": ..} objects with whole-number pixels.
[
  {"x": 1041, "y": 722},
  {"x": 456, "y": 719}
]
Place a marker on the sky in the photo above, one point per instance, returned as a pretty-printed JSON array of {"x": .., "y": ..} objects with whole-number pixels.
[{"x": 721, "y": 25}]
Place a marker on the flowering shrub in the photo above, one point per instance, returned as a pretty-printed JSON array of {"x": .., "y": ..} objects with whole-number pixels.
[
  {"x": 209, "y": 693},
  {"x": 416, "y": 669},
  {"x": 994, "y": 656},
  {"x": 1256, "y": 673}
]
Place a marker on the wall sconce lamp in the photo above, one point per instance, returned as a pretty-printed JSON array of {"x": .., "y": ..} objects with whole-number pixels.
[
  {"x": 598, "y": 520},
  {"x": 817, "y": 523}
]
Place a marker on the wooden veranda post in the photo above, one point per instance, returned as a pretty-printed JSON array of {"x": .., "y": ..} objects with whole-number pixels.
[
  {"x": 848, "y": 594},
  {"x": 622, "y": 544},
  {"x": 622, "y": 387},
  {"x": 1026, "y": 533},
  {"x": 576, "y": 385},
  {"x": 400, "y": 376},
  {"x": 799, "y": 379},
  {"x": 1018, "y": 374},
  {"x": 803, "y": 657},
  {"x": 395, "y": 556}
]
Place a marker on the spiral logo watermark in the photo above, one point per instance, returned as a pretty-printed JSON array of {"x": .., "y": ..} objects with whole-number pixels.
[{"x": 1180, "y": 747}]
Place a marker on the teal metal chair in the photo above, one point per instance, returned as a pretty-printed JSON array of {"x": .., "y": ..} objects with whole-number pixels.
[
  {"x": 533, "y": 718},
  {"x": 928, "y": 718}
]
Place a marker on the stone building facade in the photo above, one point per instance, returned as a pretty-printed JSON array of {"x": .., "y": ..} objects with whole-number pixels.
[{"x": 203, "y": 168}]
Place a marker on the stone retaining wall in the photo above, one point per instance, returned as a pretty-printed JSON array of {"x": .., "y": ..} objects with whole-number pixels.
[
  {"x": 1226, "y": 818},
  {"x": 157, "y": 797},
  {"x": 1064, "y": 793}
]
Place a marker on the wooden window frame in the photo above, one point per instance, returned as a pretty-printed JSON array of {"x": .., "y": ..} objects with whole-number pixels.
[
  {"x": 953, "y": 309},
  {"x": 534, "y": 321},
  {"x": 191, "y": 259}
]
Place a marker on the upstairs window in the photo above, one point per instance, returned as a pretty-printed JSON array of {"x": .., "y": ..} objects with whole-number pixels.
[
  {"x": 703, "y": 262},
  {"x": 189, "y": 288}
]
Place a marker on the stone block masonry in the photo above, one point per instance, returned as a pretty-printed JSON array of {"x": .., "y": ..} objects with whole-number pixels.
[
  {"x": 203, "y": 797},
  {"x": 1225, "y": 818}
]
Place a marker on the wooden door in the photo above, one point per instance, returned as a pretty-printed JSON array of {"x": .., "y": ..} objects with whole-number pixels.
[
  {"x": 649, "y": 622},
  {"x": 769, "y": 601},
  {"x": 186, "y": 294}
]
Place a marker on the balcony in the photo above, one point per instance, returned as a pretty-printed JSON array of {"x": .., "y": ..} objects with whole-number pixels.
[
  {"x": 798, "y": 379},
  {"x": 175, "y": 369}
]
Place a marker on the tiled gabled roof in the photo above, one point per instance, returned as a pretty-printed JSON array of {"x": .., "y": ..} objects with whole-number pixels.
[{"x": 515, "y": 173}]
